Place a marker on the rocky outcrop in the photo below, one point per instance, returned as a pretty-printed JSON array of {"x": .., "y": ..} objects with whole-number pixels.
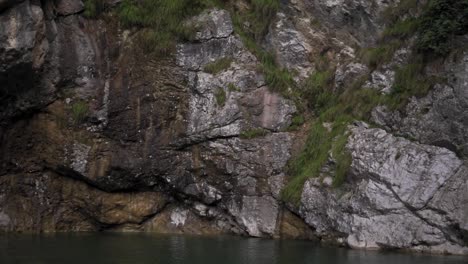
[
  {"x": 438, "y": 118},
  {"x": 117, "y": 128},
  {"x": 23, "y": 51},
  {"x": 393, "y": 200},
  {"x": 357, "y": 20}
]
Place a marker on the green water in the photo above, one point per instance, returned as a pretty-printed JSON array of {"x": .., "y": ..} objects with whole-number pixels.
[{"x": 142, "y": 248}]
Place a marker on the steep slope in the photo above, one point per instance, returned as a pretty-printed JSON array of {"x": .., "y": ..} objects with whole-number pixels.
[{"x": 237, "y": 128}]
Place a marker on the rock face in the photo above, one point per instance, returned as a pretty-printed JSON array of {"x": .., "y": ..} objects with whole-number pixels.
[
  {"x": 116, "y": 128},
  {"x": 97, "y": 136},
  {"x": 395, "y": 197},
  {"x": 440, "y": 117}
]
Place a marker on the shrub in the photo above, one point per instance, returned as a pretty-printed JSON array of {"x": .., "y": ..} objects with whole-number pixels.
[
  {"x": 296, "y": 122},
  {"x": 441, "y": 21}
]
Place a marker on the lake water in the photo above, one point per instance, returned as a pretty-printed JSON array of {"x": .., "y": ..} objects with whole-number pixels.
[{"x": 158, "y": 249}]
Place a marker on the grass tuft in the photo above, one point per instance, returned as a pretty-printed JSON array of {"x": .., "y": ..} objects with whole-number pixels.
[
  {"x": 253, "y": 133},
  {"x": 218, "y": 66},
  {"x": 220, "y": 96},
  {"x": 162, "y": 21},
  {"x": 79, "y": 111}
]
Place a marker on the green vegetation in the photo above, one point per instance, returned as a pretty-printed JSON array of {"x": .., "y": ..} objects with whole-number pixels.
[
  {"x": 438, "y": 23},
  {"x": 441, "y": 21},
  {"x": 401, "y": 29},
  {"x": 253, "y": 133},
  {"x": 335, "y": 110},
  {"x": 79, "y": 111},
  {"x": 233, "y": 88},
  {"x": 220, "y": 96},
  {"x": 338, "y": 111},
  {"x": 403, "y": 8},
  {"x": 162, "y": 21},
  {"x": 381, "y": 54},
  {"x": 218, "y": 66},
  {"x": 93, "y": 8},
  {"x": 296, "y": 122},
  {"x": 315, "y": 91},
  {"x": 278, "y": 79},
  {"x": 410, "y": 81},
  {"x": 252, "y": 25},
  {"x": 259, "y": 16}
]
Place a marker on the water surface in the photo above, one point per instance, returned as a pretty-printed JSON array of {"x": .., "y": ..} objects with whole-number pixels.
[{"x": 158, "y": 249}]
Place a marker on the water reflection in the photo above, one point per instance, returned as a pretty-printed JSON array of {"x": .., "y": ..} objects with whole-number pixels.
[{"x": 151, "y": 249}]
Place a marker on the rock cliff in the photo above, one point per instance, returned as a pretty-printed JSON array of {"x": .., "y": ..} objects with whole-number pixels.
[{"x": 98, "y": 134}]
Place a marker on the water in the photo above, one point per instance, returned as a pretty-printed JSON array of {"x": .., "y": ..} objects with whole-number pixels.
[{"x": 157, "y": 249}]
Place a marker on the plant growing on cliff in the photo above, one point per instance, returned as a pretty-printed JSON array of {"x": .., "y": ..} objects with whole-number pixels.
[
  {"x": 252, "y": 25},
  {"x": 327, "y": 136},
  {"x": 277, "y": 78},
  {"x": 220, "y": 96},
  {"x": 316, "y": 90},
  {"x": 441, "y": 21},
  {"x": 253, "y": 133},
  {"x": 335, "y": 111},
  {"x": 233, "y": 88},
  {"x": 296, "y": 122},
  {"x": 410, "y": 80},
  {"x": 92, "y": 8},
  {"x": 79, "y": 111},
  {"x": 162, "y": 21},
  {"x": 259, "y": 17},
  {"x": 218, "y": 65}
]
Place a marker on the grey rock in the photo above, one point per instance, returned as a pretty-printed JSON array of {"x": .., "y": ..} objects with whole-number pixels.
[
  {"x": 5, "y": 4},
  {"x": 414, "y": 172},
  {"x": 258, "y": 214},
  {"x": 4, "y": 220},
  {"x": 213, "y": 24},
  {"x": 389, "y": 201},
  {"x": 438, "y": 118},
  {"x": 346, "y": 75},
  {"x": 21, "y": 29},
  {"x": 360, "y": 18},
  {"x": 169, "y": 127},
  {"x": 249, "y": 105},
  {"x": 291, "y": 47},
  {"x": 68, "y": 7},
  {"x": 381, "y": 81}
]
